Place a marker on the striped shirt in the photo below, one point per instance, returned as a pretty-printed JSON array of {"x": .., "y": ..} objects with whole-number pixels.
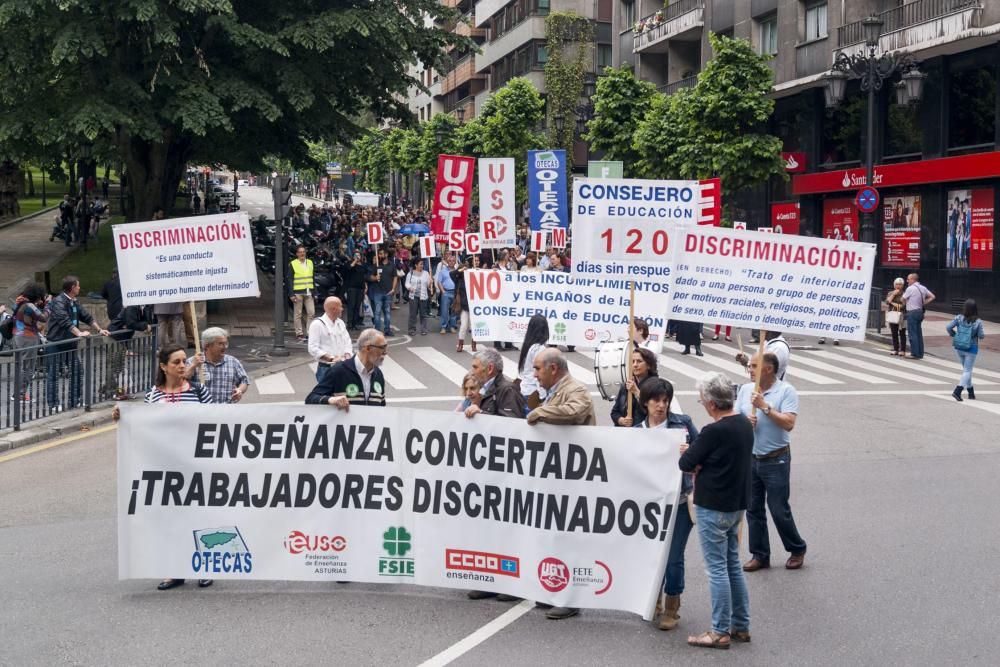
[{"x": 190, "y": 393}]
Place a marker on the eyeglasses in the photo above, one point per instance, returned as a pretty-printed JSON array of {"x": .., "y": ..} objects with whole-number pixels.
[{"x": 379, "y": 347}]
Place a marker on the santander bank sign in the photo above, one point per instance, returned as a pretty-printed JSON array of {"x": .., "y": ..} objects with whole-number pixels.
[{"x": 854, "y": 180}]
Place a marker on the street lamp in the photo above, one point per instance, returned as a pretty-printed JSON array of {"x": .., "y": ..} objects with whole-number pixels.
[
  {"x": 460, "y": 112},
  {"x": 86, "y": 151},
  {"x": 872, "y": 69},
  {"x": 560, "y": 122}
]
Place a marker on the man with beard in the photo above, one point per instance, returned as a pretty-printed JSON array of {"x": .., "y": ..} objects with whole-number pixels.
[{"x": 355, "y": 381}]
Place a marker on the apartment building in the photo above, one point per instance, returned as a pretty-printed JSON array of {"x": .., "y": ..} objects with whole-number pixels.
[{"x": 937, "y": 160}]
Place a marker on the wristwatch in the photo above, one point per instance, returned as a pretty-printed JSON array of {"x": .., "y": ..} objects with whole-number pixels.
[{"x": 767, "y": 410}]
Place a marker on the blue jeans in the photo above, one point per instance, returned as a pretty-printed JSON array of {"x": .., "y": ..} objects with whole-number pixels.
[
  {"x": 719, "y": 535},
  {"x": 914, "y": 329},
  {"x": 770, "y": 483},
  {"x": 448, "y": 319},
  {"x": 57, "y": 355},
  {"x": 968, "y": 360},
  {"x": 381, "y": 311},
  {"x": 673, "y": 579},
  {"x": 321, "y": 372}
]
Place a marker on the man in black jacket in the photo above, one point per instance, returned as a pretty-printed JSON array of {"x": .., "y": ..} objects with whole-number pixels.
[
  {"x": 500, "y": 396},
  {"x": 63, "y": 331},
  {"x": 355, "y": 381}
]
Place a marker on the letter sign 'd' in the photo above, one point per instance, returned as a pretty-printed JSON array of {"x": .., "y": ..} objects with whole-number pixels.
[{"x": 375, "y": 235}]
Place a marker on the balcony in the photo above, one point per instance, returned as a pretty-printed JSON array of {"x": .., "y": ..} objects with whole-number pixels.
[
  {"x": 671, "y": 88},
  {"x": 682, "y": 19},
  {"x": 466, "y": 27},
  {"x": 916, "y": 22},
  {"x": 468, "y": 106},
  {"x": 463, "y": 72}
]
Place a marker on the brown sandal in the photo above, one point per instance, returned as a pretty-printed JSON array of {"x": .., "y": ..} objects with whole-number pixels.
[
  {"x": 710, "y": 640},
  {"x": 741, "y": 636}
]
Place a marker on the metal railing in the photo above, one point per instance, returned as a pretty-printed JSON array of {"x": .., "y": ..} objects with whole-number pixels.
[
  {"x": 904, "y": 16},
  {"x": 675, "y": 9},
  {"x": 42, "y": 380},
  {"x": 876, "y": 312},
  {"x": 671, "y": 88}
]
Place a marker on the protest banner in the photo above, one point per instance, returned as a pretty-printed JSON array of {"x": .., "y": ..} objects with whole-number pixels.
[
  {"x": 496, "y": 202},
  {"x": 375, "y": 234},
  {"x": 186, "y": 259},
  {"x": 452, "y": 194},
  {"x": 779, "y": 282},
  {"x": 427, "y": 247},
  {"x": 567, "y": 515},
  {"x": 547, "y": 189},
  {"x": 583, "y": 311}
]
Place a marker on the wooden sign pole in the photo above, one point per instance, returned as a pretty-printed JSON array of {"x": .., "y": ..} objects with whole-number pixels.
[
  {"x": 197, "y": 339},
  {"x": 760, "y": 366},
  {"x": 631, "y": 344}
]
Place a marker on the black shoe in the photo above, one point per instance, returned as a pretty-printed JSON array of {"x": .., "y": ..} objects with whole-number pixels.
[
  {"x": 972, "y": 393},
  {"x": 559, "y": 613},
  {"x": 698, "y": 352},
  {"x": 167, "y": 584},
  {"x": 542, "y": 605},
  {"x": 958, "y": 393},
  {"x": 687, "y": 351},
  {"x": 480, "y": 595},
  {"x": 503, "y": 597},
  {"x": 205, "y": 583}
]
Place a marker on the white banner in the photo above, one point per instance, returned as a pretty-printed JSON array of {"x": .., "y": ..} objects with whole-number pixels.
[
  {"x": 581, "y": 310},
  {"x": 568, "y": 515},
  {"x": 497, "y": 212},
  {"x": 186, "y": 259},
  {"x": 777, "y": 282}
]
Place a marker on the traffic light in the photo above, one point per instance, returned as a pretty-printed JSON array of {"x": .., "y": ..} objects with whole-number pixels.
[{"x": 282, "y": 196}]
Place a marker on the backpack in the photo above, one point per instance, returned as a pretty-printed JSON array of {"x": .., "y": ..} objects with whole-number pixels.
[
  {"x": 7, "y": 325},
  {"x": 963, "y": 335}
]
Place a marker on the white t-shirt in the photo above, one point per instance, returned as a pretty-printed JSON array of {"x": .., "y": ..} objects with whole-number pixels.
[
  {"x": 529, "y": 384},
  {"x": 779, "y": 348}
]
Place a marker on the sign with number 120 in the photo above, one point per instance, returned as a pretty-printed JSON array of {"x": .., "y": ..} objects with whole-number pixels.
[{"x": 632, "y": 242}]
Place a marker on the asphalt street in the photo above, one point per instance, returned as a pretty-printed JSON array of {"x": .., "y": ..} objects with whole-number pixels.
[{"x": 893, "y": 489}]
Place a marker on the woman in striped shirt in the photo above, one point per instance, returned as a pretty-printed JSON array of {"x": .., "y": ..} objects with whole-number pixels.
[{"x": 172, "y": 387}]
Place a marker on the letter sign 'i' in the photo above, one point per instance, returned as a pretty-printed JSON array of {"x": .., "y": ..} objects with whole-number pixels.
[{"x": 427, "y": 248}]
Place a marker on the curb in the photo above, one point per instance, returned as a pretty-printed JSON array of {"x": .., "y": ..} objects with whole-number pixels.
[{"x": 25, "y": 218}]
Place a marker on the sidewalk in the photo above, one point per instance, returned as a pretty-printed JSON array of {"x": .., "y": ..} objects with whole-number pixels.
[{"x": 25, "y": 249}]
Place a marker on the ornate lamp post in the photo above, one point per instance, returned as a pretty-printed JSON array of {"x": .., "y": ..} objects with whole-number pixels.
[{"x": 873, "y": 68}]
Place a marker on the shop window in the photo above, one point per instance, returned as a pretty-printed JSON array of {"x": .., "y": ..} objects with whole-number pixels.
[
  {"x": 815, "y": 20},
  {"x": 843, "y": 128},
  {"x": 768, "y": 35},
  {"x": 903, "y": 133},
  {"x": 972, "y": 107}
]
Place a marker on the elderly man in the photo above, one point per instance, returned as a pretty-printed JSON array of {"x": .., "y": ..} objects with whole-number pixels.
[
  {"x": 329, "y": 341},
  {"x": 500, "y": 396},
  {"x": 225, "y": 378},
  {"x": 777, "y": 406},
  {"x": 567, "y": 401},
  {"x": 357, "y": 380}
]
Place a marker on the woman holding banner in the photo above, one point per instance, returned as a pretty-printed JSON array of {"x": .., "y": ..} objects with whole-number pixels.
[
  {"x": 643, "y": 366},
  {"x": 655, "y": 396}
]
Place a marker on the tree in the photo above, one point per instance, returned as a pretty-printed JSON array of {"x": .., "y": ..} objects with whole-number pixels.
[
  {"x": 506, "y": 127},
  {"x": 211, "y": 80},
  {"x": 717, "y": 127},
  {"x": 569, "y": 40},
  {"x": 620, "y": 103},
  {"x": 443, "y": 124}
]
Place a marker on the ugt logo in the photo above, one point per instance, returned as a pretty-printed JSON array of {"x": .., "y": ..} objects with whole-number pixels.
[
  {"x": 553, "y": 574},
  {"x": 397, "y": 542}
]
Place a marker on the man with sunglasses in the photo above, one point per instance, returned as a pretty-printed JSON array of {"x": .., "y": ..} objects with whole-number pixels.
[{"x": 357, "y": 380}]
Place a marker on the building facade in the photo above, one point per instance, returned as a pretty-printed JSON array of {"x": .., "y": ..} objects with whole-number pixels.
[{"x": 937, "y": 161}]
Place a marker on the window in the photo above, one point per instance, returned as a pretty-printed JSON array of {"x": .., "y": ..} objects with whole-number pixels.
[
  {"x": 603, "y": 56},
  {"x": 541, "y": 54},
  {"x": 972, "y": 107},
  {"x": 628, "y": 14},
  {"x": 815, "y": 21},
  {"x": 769, "y": 35},
  {"x": 543, "y": 7}
]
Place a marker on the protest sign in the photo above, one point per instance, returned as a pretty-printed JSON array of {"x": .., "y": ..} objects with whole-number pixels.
[
  {"x": 779, "y": 282},
  {"x": 427, "y": 247},
  {"x": 456, "y": 241},
  {"x": 568, "y": 515},
  {"x": 472, "y": 245},
  {"x": 581, "y": 310},
  {"x": 547, "y": 189},
  {"x": 186, "y": 259},
  {"x": 496, "y": 202},
  {"x": 452, "y": 194},
  {"x": 375, "y": 234},
  {"x": 538, "y": 241}
]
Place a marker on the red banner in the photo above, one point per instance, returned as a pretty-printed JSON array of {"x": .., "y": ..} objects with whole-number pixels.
[
  {"x": 969, "y": 230},
  {"x": 785, "y": 218},
  {"x": 901, "y": 237},
  {"x": 840, "y": 220},
  {"x": 981, "y": 244},
  {"x": 794, "y": 162},
  {"x": 940, "y": 170},
  {"x": 452, "y": 195}
]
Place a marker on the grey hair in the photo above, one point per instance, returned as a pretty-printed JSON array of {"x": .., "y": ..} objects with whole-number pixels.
[
  {"x": 552, "y": 355},
  {"x": 898, "y": 281},
  {"x": 487, "y": 357},
  {"x": 716, "y": 388},
  {"x": 212, "y": 334},
  {"x": 367, "y": 337}
]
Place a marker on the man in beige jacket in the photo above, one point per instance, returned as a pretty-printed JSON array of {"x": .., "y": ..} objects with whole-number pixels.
[{"x": 567, "y": 402}]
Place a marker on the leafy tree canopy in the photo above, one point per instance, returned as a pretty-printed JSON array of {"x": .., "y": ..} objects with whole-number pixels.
[{"x": 620, "y": 104}]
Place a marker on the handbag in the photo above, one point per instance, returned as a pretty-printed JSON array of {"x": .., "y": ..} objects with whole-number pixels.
[{"x": 893, "y": 317}]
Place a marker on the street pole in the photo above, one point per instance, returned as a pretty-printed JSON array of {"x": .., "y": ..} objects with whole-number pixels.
[
  {"x": 868, "y": 231},
  {"x": 279, "y": 349}
]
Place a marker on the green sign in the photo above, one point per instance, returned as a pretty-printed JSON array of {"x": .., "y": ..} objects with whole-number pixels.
[{"x": 605, "y": 169}]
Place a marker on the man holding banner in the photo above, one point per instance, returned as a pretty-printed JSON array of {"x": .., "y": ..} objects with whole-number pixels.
[{"x": 355, "y": 381}]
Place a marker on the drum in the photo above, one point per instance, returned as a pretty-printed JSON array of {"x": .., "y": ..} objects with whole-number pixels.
[{"x": 611, "y": 367}]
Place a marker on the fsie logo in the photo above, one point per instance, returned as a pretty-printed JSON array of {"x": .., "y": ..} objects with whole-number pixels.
[
  {"x": 481, "y": 561},
  {"x": 298, "y": 542},
  {"x": 397, "y": 542},
  {"x": 220, "y": 551}
]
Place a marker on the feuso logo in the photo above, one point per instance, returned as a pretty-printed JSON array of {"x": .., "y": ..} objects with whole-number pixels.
[{"x": 298, "y": 542}]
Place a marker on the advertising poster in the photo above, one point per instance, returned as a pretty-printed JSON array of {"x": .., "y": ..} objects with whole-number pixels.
[
  {"x": 840, "y": 220},
  {"x": 786, "y": 218},
  {"x": 547, "y": 189},
  {"x": 969, "y": 231},
  {"x": 567, "y": 515},
  {"x": 902, "y": 217}
]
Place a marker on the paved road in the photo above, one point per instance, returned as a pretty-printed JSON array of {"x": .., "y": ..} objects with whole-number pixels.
[{"x": 894, "y": 489}]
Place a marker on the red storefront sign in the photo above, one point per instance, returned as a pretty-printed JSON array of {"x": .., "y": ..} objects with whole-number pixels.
[
  {"x": 794, "y": 162},
  {"x": 902, "y": 218},
  {"x": 981, "y": 244},
  {"x": 785, "y": 218},
  {"x": 969, "y": 229},
  {"x": 961, "y": 168},
  {"x": 840, "y": 219}
]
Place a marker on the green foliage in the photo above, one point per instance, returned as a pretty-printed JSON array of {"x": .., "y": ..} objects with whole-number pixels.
[
  {"x": 443, "y": 124},
  {"x": 506, "y": 127},
  {"x": 620, "y": 104},
  {"x": 569, "y": 42},
  {"x": 717, "y": 127}
]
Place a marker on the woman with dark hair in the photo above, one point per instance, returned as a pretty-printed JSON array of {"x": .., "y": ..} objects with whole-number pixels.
[
  {"x": 535, "y": 338},
  {"x": 171, "y": 386},
  {"x": 531, "y": 264},
  {"x": 898, "y": 215},
  {"x": 460, "y": 305},
  {"x": 642, "y": 335},
  {"x": 966, "y": 330},
  {"x": 655, "y": 396},
  {"x": 29, "y": 312},
  {"x": 643, "y": 367}
]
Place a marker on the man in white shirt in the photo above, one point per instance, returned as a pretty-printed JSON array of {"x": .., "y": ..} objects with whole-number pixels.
[
  {"x": 329, "y": 341},
  {"x": 776, "y": 345}
]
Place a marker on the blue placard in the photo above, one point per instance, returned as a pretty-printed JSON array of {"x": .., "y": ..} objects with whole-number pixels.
[{"x": 547, "y": 189}]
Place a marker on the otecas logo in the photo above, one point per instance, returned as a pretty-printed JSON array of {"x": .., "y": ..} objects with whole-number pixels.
[
  {"x": 553, "y": 574},
  {"x": 298, "y": 542}
]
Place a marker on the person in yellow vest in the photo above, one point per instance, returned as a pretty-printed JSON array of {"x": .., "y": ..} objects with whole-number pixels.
[{"x": 302, "y": 292}]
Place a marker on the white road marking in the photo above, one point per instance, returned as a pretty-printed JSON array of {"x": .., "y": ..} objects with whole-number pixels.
[
  {"x": 462, "y": 647},
  {"x": 443, "y": 364},
  {"x": 398, "y": 377},
  {"x": 989, "y": 407},
  {"x": 913, "y": 365},
  {"x": 273, "y": 384},
  {"x": 793, "y": 373},
  {"x": 953, "y": 365},
  {"x": 843, "y": 359}
]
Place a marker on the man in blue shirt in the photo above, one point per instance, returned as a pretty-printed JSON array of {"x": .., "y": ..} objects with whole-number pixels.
[
  {"x": 446, "y": 288},
  {"x": 772, "y": 410}
]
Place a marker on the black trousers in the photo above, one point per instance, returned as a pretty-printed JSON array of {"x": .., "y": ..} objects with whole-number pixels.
[{"x": 354, "y": 296}]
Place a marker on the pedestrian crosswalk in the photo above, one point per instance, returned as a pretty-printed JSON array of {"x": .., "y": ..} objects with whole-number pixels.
[{"x": 424, "y": 370}]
